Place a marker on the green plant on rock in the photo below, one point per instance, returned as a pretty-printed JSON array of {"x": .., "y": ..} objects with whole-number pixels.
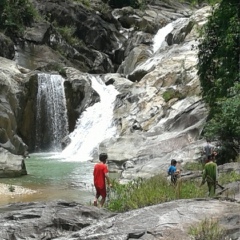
[
  {"x": 170, "y": 94},
  {"x": 199, "y": 2},
  {"x": 84, "y": 2},
  {"x": 229, "y": 177},
  {"x": 193, "y": 166},
  {"x": 208, "y": 229},
  {"x": 15, "y": 15},
  {"x": 68, "y": 33},
  {"x": 11, "y": 188}
]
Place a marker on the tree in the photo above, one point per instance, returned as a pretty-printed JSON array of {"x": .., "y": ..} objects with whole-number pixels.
[{"x": 219, "y": 65}]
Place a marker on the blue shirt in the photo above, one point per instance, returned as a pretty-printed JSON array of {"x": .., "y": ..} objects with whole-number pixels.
[{"x": 171, "y": 170}]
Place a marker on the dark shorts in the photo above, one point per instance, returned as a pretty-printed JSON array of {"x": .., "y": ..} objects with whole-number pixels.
[{"x": 101, "y": 192}]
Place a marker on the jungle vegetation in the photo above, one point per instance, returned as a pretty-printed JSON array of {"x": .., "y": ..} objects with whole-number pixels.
[{"x": 219, "y": 71}]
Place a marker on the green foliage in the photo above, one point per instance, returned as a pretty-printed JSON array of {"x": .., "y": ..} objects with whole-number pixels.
[
  {"x": 68, "y": 34},
  {"x": 56, "y": 67},
  {"x": 193, "y": 166},
  {"x": 219, "y": 52},
  {"x": 219, "y": 76},
  {"x": 194, "y": 2},
  {"x": 229, "y": 177},
  {"x": 170, "y": 94},
  {"x": 15, "y": 14},
  {"x": 207, "y": 230},
  {"x": 225, "y": 126},
  {"x": 84, "y": 2},
  {"x": 145, "y": 192}
]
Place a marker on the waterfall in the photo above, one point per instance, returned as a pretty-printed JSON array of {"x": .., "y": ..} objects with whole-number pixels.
[
  {"x": 159, "y": 45},
  {"x": 51, "y": 121},
  {"x": 159, "y": 38},
  {"x": 94, "y": 125}
]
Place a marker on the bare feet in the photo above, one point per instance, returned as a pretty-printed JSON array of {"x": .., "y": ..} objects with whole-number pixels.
[{"x": 95, "y": 203}]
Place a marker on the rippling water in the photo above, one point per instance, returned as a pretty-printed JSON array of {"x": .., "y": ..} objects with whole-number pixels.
[{"x": 53, "y": 179}]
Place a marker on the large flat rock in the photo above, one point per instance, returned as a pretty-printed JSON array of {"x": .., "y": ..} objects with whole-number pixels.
[{"x": 71, "y": 221}]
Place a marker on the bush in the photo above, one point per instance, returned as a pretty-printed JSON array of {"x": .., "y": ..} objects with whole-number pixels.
[
  {"x": 170, "y": 94},
  {"x": 193, "y": 166},
  {"x": 229, "y": 177},
  {"x": 14, "y": 15}
]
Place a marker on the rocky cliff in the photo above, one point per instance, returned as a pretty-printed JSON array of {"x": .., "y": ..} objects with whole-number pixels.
[{"x": 149, "y": 55}]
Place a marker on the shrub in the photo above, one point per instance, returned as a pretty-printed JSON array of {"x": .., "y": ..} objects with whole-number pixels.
[
  {"x": 193, "y": 166},
  {"x": 170, "y": 94},
  {"x": 229, "y": 177},
  {"x": 14, "y": 15}
]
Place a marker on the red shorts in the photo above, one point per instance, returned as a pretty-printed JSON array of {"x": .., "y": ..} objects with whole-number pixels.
[{"x": 101, "y": 192}]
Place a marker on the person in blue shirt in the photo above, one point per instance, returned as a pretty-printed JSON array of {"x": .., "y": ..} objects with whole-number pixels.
[{"x": 173, "y": 172}]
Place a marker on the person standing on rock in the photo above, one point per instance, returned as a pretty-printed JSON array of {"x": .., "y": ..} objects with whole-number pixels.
[
  {"x": 173, "y": 171},
  {"x": 210, "y": 175},
  {"x": 100, "y": 174},
  {"x": 207, "y": 150}
]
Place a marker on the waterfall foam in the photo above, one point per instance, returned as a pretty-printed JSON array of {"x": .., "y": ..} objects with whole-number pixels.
[
  {"x": 94, "y": 125},
  {"x": 159, "y": 38}
]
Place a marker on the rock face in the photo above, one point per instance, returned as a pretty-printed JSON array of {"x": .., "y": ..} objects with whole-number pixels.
[
  {"x": 161, "y": 115},
  {"x": 72, "y": 221},
  {"x": 11, "y": 165},
  {"x": 159, "y": 112},
  {"x": 6, "y": 47},
  {"x": 11, "y": 93}
]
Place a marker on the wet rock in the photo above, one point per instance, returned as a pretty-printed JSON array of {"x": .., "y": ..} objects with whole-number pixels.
[{"x": 11, "y": 165}]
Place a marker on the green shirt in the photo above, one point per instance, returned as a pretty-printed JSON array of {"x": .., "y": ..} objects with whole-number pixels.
[{"x": 210, "y": 170}]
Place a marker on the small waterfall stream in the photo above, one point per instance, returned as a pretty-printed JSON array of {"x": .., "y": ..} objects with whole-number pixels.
[
  {"x": 51, "y": 122},
  {"x": 94, "y": 125},
  {"x": 159, "y": 45},
  {"x": 159, "y": 38}
]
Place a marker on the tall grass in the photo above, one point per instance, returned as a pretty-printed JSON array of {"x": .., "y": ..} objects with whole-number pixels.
[
  {"x": 208, "y": 229},
  {"x": 229, "y": 177},
  {"x": 146, "y": 192}
]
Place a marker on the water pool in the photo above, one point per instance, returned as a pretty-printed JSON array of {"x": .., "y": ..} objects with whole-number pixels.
[{"x": 53, "y": 179}]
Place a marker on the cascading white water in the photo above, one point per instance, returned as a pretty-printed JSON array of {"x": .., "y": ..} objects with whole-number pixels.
[
  {"x": 159, "y": 44},
  {"x": 94, "y": 125},
  {"x": 159, "y": 38},
  {"x": 51, "y": 122}
]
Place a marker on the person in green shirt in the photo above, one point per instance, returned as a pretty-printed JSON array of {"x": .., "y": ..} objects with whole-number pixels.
[{"x": 210, "y": 175}]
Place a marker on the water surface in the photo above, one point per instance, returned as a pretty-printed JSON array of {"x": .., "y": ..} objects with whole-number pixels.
[{"x": 53, "y": 179}]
